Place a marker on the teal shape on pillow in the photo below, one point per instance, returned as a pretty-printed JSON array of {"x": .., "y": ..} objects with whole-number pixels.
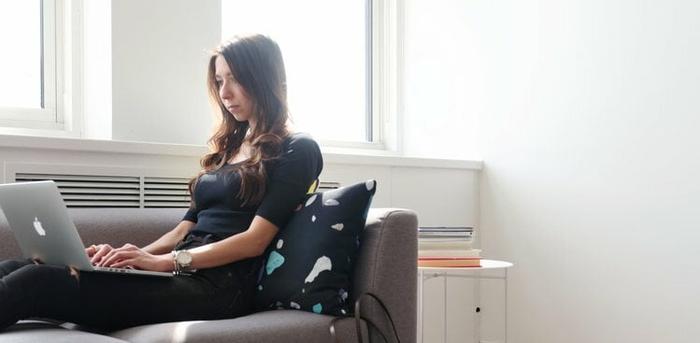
[
  {"x": 273, "y": 262},
  {"x": 317, "y": 308}
]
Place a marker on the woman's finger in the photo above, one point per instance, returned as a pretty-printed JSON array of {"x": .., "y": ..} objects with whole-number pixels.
[
  {"x": 113, "y": 256},
  {"x": 128, "y": 246},
  {"x": 109, "y": 255},
  {"x": 105, "y": 261},
  {"x": 102, "y": 250},
  {"x": 128, "y": 263},
  {"x": 120, "y": 256}
]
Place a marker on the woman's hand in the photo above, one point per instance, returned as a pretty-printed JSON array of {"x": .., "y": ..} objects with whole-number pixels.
[
  {"x": 97, "y": 252},
  {"x": 132, "y": 256}
]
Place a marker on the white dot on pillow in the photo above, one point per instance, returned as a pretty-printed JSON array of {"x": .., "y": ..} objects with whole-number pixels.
[
  {"x": 280, "y": 243},
  {"x": 370, "y": 184},
  {"x": 294, "y": 305},
  {"x": 311, "y": 200},
  {"x": 331, "y": 202},
  {"x": 313, "y": 218},
  {"x": 338, "y": 227},
  {"x": 323, "y": 263}
]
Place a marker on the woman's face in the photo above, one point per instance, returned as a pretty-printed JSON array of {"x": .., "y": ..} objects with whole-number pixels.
[{"x": 231, "y": 93}]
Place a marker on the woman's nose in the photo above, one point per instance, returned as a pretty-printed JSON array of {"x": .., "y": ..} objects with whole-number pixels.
[{"x": 225, "y": 92}]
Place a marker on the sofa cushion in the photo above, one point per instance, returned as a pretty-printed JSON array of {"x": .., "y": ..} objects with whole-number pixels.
[
  {"x": 270, "y": 326},
  {"x": 309, "y": 264}
]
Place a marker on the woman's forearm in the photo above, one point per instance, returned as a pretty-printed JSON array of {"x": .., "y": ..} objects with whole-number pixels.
[
  {"x": 167, "y": 242},
  {"x": 247, "y": 244}
]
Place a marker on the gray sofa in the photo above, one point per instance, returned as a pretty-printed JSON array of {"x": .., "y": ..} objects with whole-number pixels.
[{"x": 386, "y": 268}]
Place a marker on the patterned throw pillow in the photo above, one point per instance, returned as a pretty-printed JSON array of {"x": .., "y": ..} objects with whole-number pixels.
[{"x": 309, "y": 264}]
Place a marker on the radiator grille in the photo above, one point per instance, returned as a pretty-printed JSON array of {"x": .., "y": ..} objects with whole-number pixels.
[
  {"x": 116, "y": 191},
  {"x": 327, "y": 185},
  {"x": 166, "y": 192}
]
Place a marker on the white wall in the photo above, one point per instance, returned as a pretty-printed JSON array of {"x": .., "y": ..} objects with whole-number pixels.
[
  {"x": 437, "y": 118},
  {"x": 159, "y": 62},
  {"x": 423, "y": 189},
  {"x": 97, "y": 75},
  {"x": 588, "y": 130}
]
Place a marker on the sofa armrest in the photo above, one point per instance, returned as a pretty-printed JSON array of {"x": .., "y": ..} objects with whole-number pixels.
[{"x": 387, "y": 268}]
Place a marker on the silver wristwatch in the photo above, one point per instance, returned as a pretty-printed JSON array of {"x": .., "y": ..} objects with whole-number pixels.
[{"x": 182, "y": 260}]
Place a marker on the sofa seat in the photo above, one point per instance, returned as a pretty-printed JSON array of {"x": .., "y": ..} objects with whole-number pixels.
[
  {"x": 33, "y": 331},
  {"x": 270, "y": 326}
]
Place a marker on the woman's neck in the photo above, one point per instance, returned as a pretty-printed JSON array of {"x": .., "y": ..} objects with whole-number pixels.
[{"x": 251, "y": 124}]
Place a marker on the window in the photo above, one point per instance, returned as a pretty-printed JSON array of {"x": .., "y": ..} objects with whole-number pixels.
[
  {"x": 40, "y": 87},
  {"x": 27, "y": 63},
  {"x": 331, "y": 57}
]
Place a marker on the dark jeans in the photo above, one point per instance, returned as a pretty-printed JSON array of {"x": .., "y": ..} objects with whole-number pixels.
[{"x": 113, "y": 301}]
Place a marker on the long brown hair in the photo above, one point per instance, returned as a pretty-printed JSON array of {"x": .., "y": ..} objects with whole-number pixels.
[{"x": 256, "y": 64}]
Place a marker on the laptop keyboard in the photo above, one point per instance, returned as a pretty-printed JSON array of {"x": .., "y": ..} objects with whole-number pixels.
[{"x": 115, "y": 270}]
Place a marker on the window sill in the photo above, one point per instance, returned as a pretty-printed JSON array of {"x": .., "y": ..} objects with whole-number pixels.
[
  {"x": 330, "y": 155},
  {"x": 388, "y": 158}
]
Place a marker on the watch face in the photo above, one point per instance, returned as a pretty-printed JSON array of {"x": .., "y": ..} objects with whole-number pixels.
[{"x": 184, "y": 258}]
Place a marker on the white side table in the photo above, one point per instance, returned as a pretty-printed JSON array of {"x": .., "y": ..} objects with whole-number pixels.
[{"x": 427, "y": 273}]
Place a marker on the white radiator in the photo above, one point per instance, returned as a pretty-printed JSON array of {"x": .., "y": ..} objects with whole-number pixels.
[{"x": 104, "y": 186}]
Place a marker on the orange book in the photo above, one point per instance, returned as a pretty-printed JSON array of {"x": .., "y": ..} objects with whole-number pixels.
[
  {"x": 449, "y": 262},
  {"x": 452, "y": 253}
]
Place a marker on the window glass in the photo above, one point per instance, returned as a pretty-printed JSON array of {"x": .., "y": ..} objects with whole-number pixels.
[
  {"x": 21, "y": 55},
  {"x": 325, "y": 52}
]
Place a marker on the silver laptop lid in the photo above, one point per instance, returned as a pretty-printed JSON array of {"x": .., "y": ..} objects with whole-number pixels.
[{"x": 39, "y": 219}]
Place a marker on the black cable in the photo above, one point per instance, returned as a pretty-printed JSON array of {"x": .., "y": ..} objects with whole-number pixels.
[
  {"x": 386, "y": 312},
  {"x": 359, "y": 318}
]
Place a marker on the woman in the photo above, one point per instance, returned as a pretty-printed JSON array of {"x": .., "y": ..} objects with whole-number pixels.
[{"x": 255, "y": 176}]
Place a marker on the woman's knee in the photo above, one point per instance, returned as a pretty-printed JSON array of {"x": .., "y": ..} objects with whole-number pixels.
[
  {"x": 9, "y": 266},
  {"x": 44, "y": 274},
  {"x": 40, "y": 290}
]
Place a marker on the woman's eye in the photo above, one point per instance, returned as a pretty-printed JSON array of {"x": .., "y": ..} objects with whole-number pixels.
[{"x": 218, "y": 83}]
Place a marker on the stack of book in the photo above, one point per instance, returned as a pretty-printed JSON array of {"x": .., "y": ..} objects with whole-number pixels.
[{"x": 447, "y": 247}]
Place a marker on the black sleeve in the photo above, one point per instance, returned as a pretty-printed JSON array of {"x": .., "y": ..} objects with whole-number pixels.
[
  {"x": 191, "y": 215},
  {"x": 293, "y": 173}
]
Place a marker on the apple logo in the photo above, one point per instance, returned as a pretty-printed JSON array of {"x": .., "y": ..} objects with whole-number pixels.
[{"x": 37, "y": 226}]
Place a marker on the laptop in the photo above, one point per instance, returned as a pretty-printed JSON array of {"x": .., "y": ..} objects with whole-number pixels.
[{"x": 39, "y": 219}]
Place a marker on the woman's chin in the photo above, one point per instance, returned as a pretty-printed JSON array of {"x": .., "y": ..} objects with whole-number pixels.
[{"x": 239, "y": 117}]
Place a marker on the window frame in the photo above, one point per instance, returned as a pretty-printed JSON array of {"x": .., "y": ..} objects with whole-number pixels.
[{"x": 61, "y": 37}]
